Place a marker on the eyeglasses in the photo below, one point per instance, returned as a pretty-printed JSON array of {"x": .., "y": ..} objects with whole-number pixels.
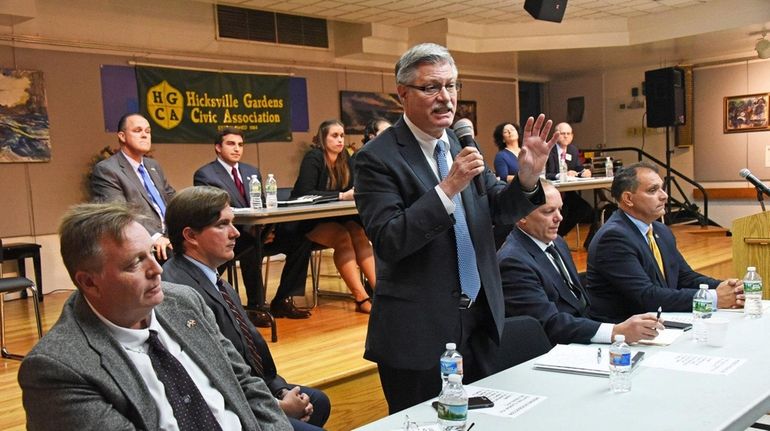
[{"x": 434, "y": 89}]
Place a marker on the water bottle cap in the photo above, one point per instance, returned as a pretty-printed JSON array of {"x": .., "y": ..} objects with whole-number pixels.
[
  {"x": 451, "y": 346},
  {"x": 620, "y": 337},
  {"x": 455, "y": 378},
  {"x": 751, "y": 268},
  {"x": 269, "y": 175}
]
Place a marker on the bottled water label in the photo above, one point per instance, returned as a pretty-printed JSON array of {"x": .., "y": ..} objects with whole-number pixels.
[
  {"x": 620, "y": 359},
  {"x": 451, "y": 366},
  {"x": 752, "y": 286},
  {"x": 452, "y": 413},
  {"x": 703, "y": 307}
]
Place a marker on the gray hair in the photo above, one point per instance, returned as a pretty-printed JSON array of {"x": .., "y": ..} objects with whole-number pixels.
[
  {"x": 84, "y": 226},
  {"x": 625, "y": 180},
  {"x": 424, "y": 53}
]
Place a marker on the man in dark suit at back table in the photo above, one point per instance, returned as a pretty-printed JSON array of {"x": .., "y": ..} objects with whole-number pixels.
[
  {"x": 576, "y": 209},
  {"x": 634, "y": 265},
  {"x": 200, "y": 225},
  {"x": 228, "y": 173},
  {"x": 540, "y": 280},
  {"x": 128, "y": 176},
  {"x": 431, "y": 230}
]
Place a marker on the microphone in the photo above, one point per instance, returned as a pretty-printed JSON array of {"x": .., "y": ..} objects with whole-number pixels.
[
  {"x": 745, "y": 173},
  {"x": 463, "y": 128}
]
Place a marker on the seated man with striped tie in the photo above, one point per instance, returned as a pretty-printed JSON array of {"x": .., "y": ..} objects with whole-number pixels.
[
  {"x": 633, "y": 262},
  {"x": 132, "y": 352},
  {"x": 200, "y": 226},
  {"x": 540, "y": 280},
  {"x": 130, "y": 177}
]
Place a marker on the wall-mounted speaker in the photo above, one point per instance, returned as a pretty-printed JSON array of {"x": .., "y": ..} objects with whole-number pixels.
[
  {"x": 664, "y": 90},
  {"x": 546, "y": 10}
]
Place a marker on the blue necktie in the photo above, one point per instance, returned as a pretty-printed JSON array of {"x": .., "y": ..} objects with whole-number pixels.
[
  {"x": 152, "y": 190},
  {"x": 466, "y": 256}
]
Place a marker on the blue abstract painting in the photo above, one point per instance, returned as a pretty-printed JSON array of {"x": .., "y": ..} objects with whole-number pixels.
[{"x": 24, "y": 135}]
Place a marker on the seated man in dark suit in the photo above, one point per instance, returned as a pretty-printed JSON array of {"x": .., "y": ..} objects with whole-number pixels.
[
  {"x": 633, "y": 263},
  {"x": 132, "y": 352},
  {"x": 576, "y": 209},
  {"x": 228, "y": 173},
  {"x": 127, "y": 176},
  {"x": 200, "y": 225},
  {"x": 540, "y": 280}
]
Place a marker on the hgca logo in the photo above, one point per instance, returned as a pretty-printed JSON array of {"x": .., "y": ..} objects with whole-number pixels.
[{"x": 164, "y": 104}]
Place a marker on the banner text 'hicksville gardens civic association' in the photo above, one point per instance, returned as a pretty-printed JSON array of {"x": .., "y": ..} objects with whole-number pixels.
[{"x": 193, "y": 106}]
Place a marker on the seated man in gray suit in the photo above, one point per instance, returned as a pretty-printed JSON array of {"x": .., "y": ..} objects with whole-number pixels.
[
  {"x": 130, "y": 177},
  {"x": 540, "y": 280},
  {"x": 228, "y": 173},
  {"x": 200, "y": 225},
  {"x": 132, "y": 352}
]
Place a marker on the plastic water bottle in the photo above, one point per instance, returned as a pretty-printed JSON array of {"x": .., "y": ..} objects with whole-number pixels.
[
  {"x": 752, "y": 287},
  {"x": 608, "y": 168},
  {"x": 271, "y": 192},
  {"x": 701, "y": 309},
  {"x": 451, "y": 362},
  {"x": 620, "y": 365},
  {"x": 452, "y": 405},
  {"x": 255, "y": 193},
  {"x": 562, "y": 170}
]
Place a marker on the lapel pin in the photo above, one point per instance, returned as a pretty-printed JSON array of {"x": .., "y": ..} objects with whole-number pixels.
[{"x": 191, "y": 323}]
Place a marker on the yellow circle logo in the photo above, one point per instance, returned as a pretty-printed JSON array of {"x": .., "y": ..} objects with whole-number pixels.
[{"x": 164, "y": 104}]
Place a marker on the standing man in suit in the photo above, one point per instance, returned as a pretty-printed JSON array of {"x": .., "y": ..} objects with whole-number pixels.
[
  {"x": 540, "y": 280},
  {"x": 633, "y": 263},
  {"x": 132, "y": 352},
  {"x": 200, "y": 225},
  {"x": 228, "y": 173},
  {"x": 127, "y": 176},
  {"x": 437, "y": 276},
  {"x": 576, "y": 209}
]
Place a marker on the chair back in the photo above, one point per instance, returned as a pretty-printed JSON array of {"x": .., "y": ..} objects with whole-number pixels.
[{"x": 523, "y": 339}]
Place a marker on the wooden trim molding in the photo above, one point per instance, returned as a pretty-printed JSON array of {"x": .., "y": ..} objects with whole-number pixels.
[{"x": 731, "y": 193}]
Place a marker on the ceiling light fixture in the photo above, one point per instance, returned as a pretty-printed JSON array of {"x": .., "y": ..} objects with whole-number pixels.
[{"x": 763, "y": 46}]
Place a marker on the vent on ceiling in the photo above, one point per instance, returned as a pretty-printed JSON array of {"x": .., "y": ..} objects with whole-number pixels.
[{"x": 261, "y": 26}]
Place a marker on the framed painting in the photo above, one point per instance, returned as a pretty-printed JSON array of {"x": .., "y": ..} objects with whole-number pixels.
[
  {"x": 747, "y": 113},
  {"x": 467, "y": 109},
  {"x": 357, "y": 108}
]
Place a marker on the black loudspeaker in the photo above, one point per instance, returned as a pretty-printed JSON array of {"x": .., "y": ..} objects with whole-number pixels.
[
  {"x": 546, "y": 10},
  {"x": 664, "y": 90}
]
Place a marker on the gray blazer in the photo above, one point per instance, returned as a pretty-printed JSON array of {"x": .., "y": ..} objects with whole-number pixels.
[
  {"x": 114, "y": 180},
  {"x": 79, "y": 377}
]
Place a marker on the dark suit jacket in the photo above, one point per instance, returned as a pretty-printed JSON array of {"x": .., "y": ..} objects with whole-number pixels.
[
  {"x": 181, "y": 271},
  {"x": 79, "y": 377},
  {"x": 313, "y": 178},
  {"x": 114, "y": 180},
  {"x": 214, "y": 174},
  {"x": 552, "y": 165},
  {"x": 532, "y": 286},
  {"x": 415, "y": 310},
  {"x": 624, "y": 279}
]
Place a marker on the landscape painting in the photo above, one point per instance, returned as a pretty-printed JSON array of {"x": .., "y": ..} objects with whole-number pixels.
[{"x": 24, "y": 135}]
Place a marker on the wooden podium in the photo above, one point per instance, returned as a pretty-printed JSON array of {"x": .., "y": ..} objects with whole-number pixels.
[{"x": 751, "y": 247}]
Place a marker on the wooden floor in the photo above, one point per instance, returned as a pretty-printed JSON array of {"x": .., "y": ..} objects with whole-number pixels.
[{"x": 326, "y": 350}]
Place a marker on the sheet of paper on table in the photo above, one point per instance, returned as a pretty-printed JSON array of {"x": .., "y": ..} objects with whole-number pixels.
[{"x": 705, "y": 364}]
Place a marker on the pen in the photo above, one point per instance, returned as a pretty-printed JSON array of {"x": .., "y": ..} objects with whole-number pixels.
[
  {"x": 599, "y": 355},
  {"x": 659, "y": 311},
  {"x": 469, "y": 428}
]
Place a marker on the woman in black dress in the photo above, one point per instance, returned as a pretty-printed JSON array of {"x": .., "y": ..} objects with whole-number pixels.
[{"x": 326, "y": 171}]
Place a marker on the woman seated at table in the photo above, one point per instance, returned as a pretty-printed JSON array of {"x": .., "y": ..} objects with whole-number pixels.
[
  {"x": 326, "y": 171},
  {"x": 506, "y": 137}
]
